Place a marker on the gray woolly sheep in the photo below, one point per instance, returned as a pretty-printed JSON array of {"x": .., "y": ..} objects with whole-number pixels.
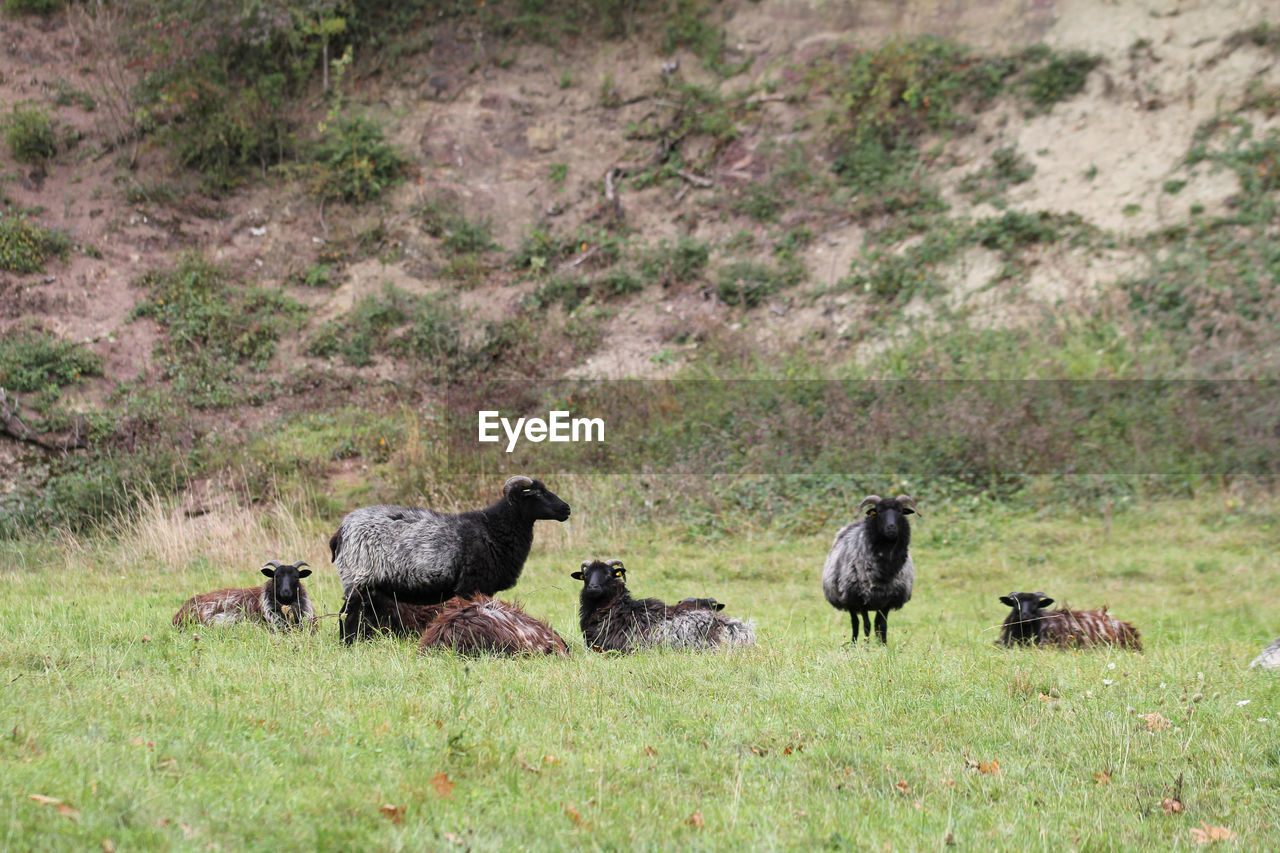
[
  {"x": 869, "y": 567},
  {"x": 419, "y": 556},
  {"x": 484, "y": 625},
  {"x": 1270, "y": 657},
  {"x": 281, "y": 602},
  {"x": 611, "y": 620},
  {"x": 1030, "y": 624}
]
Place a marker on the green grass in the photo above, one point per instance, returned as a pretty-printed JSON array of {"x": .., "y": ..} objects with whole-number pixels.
[{"x": 243, "y": 739}]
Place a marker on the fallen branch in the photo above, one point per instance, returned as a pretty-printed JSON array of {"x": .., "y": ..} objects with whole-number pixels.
[
  {"x": 696, "y": 180},
  {"x": 568, "y": 265},
  {"x": 12, "y": 426}
]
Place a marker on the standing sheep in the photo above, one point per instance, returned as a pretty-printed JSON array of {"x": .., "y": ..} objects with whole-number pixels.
[
  {"x": 1029, "y": 623},
  {"x": 419, "y": 556},
  {"x": 611, "y": 620},
  {"x": 484, "y": 625},
  {"x": 281, "y": 602},
  {"x": 869, "y": 567}
]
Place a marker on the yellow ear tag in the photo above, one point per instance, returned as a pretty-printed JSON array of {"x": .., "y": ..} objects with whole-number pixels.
[
  {"x": 617, "y": 573},
  {"x": 871, "y": 512}
]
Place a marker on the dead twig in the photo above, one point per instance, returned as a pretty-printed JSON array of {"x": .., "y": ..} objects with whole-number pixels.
[
  {"x": 696, "y": 180},
  {"x": 589, "y": 253}
]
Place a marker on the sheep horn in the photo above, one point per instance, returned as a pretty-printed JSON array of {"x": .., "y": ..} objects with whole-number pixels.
[
  {"x": 616, "y": 563},
  {"x": 909, "y": 502},
  {"x": 519, "y": 481},
  {"x": 300, "y": 564},
  {"x": 586, "y": 563},
  {"x": 275, "y": 564},
  {"x": 869, "y": 500}
]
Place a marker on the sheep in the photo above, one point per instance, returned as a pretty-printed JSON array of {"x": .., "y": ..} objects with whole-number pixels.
[
  {"x": 386, "y": 615},
  {"x": 869, "y": 567},
  {"x": 483, "y": 625},
  {"x": 419, "y": 556},
  {"x": 1270, "y": 657},
  {"x": 281, "y": 602},
  {"x": 1029, "y": 623},
  {"x": 611, "y": 620}
]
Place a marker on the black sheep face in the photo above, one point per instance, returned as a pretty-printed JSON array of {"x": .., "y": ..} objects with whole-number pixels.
[
  {"x": 887, "y": 517},
  {"x": 535, "y": 501},
  {"x": 1028, "y": 608},
  {"x": 601, "y": 578},
  {"x": 287, "y": 579}
]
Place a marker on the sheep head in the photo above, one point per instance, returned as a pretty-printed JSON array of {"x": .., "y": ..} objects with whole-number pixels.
[
  {"x": 534, "y": 500},
  {"x": 886, "y": 518},
  {"x": 601, "y": 578},
  {"x": 285, "y": 579},
  {"x": 1028, "y": 605}
]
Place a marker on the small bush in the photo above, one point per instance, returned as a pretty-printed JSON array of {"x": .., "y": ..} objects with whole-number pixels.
[
  {"x": 34, "y": 361},
  {"x": 422, "y": 328},
  {"x": 30, "y": 135},
  {"x": 1061, "y": 77},
  {"x": 214, "y": 328},
  {"x": 24, "y": 247},
  {"x": 353, "y": 163},
  {"x": 33, "y": 7},
  {"x": 747, "y": 283},
  {"x": 675, "y": 263}
]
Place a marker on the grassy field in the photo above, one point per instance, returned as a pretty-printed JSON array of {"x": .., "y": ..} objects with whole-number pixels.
[{"x": 118, "y": 731}]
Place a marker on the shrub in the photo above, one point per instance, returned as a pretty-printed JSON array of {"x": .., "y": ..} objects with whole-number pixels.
[
  {"x": 24, "y": 247},
  {"x": 747, "y": 283},
  {"x": 33, "y": 361},
  {"x": 30, "y": 135},
  {"x": 680, "y": 262},
  {"x": 353, "y": 163},
  {"x": 425, "y": 329},
  {"x": 213, "y": 328}
]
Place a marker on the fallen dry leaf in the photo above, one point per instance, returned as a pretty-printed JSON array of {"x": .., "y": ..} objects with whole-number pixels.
[
  {"x": 695, "y": 820},
  {"x": 1155, "y": 721},
  {"x": 651, "y": 752},
  {"x": 64, "y": 809},
  {"x": 395, "y": 814},
  {"x": 989, "y": 767},
  {"x": 1171, "y": 805},
  {"x": 550, "y": 759},
  {"x": 1206, "y": 834},
  {"x": 443, "y": 785},
  {"x": 902, "y": 786},
  {"x": 573, "y": 814},
  {"x": 1102, "y": 778},
  {"x": 108, "y": 846}
]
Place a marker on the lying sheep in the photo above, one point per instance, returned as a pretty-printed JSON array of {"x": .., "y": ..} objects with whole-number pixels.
[
  {"x": 1270, "y": 657},
  {"x": 611, "y": 620},
  {"x": 483, "y": 625},
  {"x": 869, "y": 566},
  {"x": 418, "y": 556},
  {"x": 281, "y": 602},
  {"x": 1029, "y": 623}
]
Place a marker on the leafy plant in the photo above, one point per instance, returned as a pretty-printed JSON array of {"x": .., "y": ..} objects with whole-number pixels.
[
  {"x": 25, "y": 247},
  {"x": 353, "y": 163},
  {"x": 33, "y": 361},
  {"x": 30, "y": 134}
]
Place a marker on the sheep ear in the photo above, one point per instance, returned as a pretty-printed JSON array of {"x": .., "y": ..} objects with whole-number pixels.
[
  {"x": 1045, "y": 602},
  {"x": 908, "y": 504},
  {"x": 1009, "y": 600},
  {"x": 302, "y": 573},
  {"x": 869, "y": 500},
  {"x": 578, "y": 576},
  {"x": 268, "y": 571}
]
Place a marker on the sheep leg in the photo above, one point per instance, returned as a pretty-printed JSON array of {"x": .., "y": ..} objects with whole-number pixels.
[
  {"x": 866, "y": 624},
  {"x": 882, "y": 627},
  {"x": 349, "y": 619}
]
